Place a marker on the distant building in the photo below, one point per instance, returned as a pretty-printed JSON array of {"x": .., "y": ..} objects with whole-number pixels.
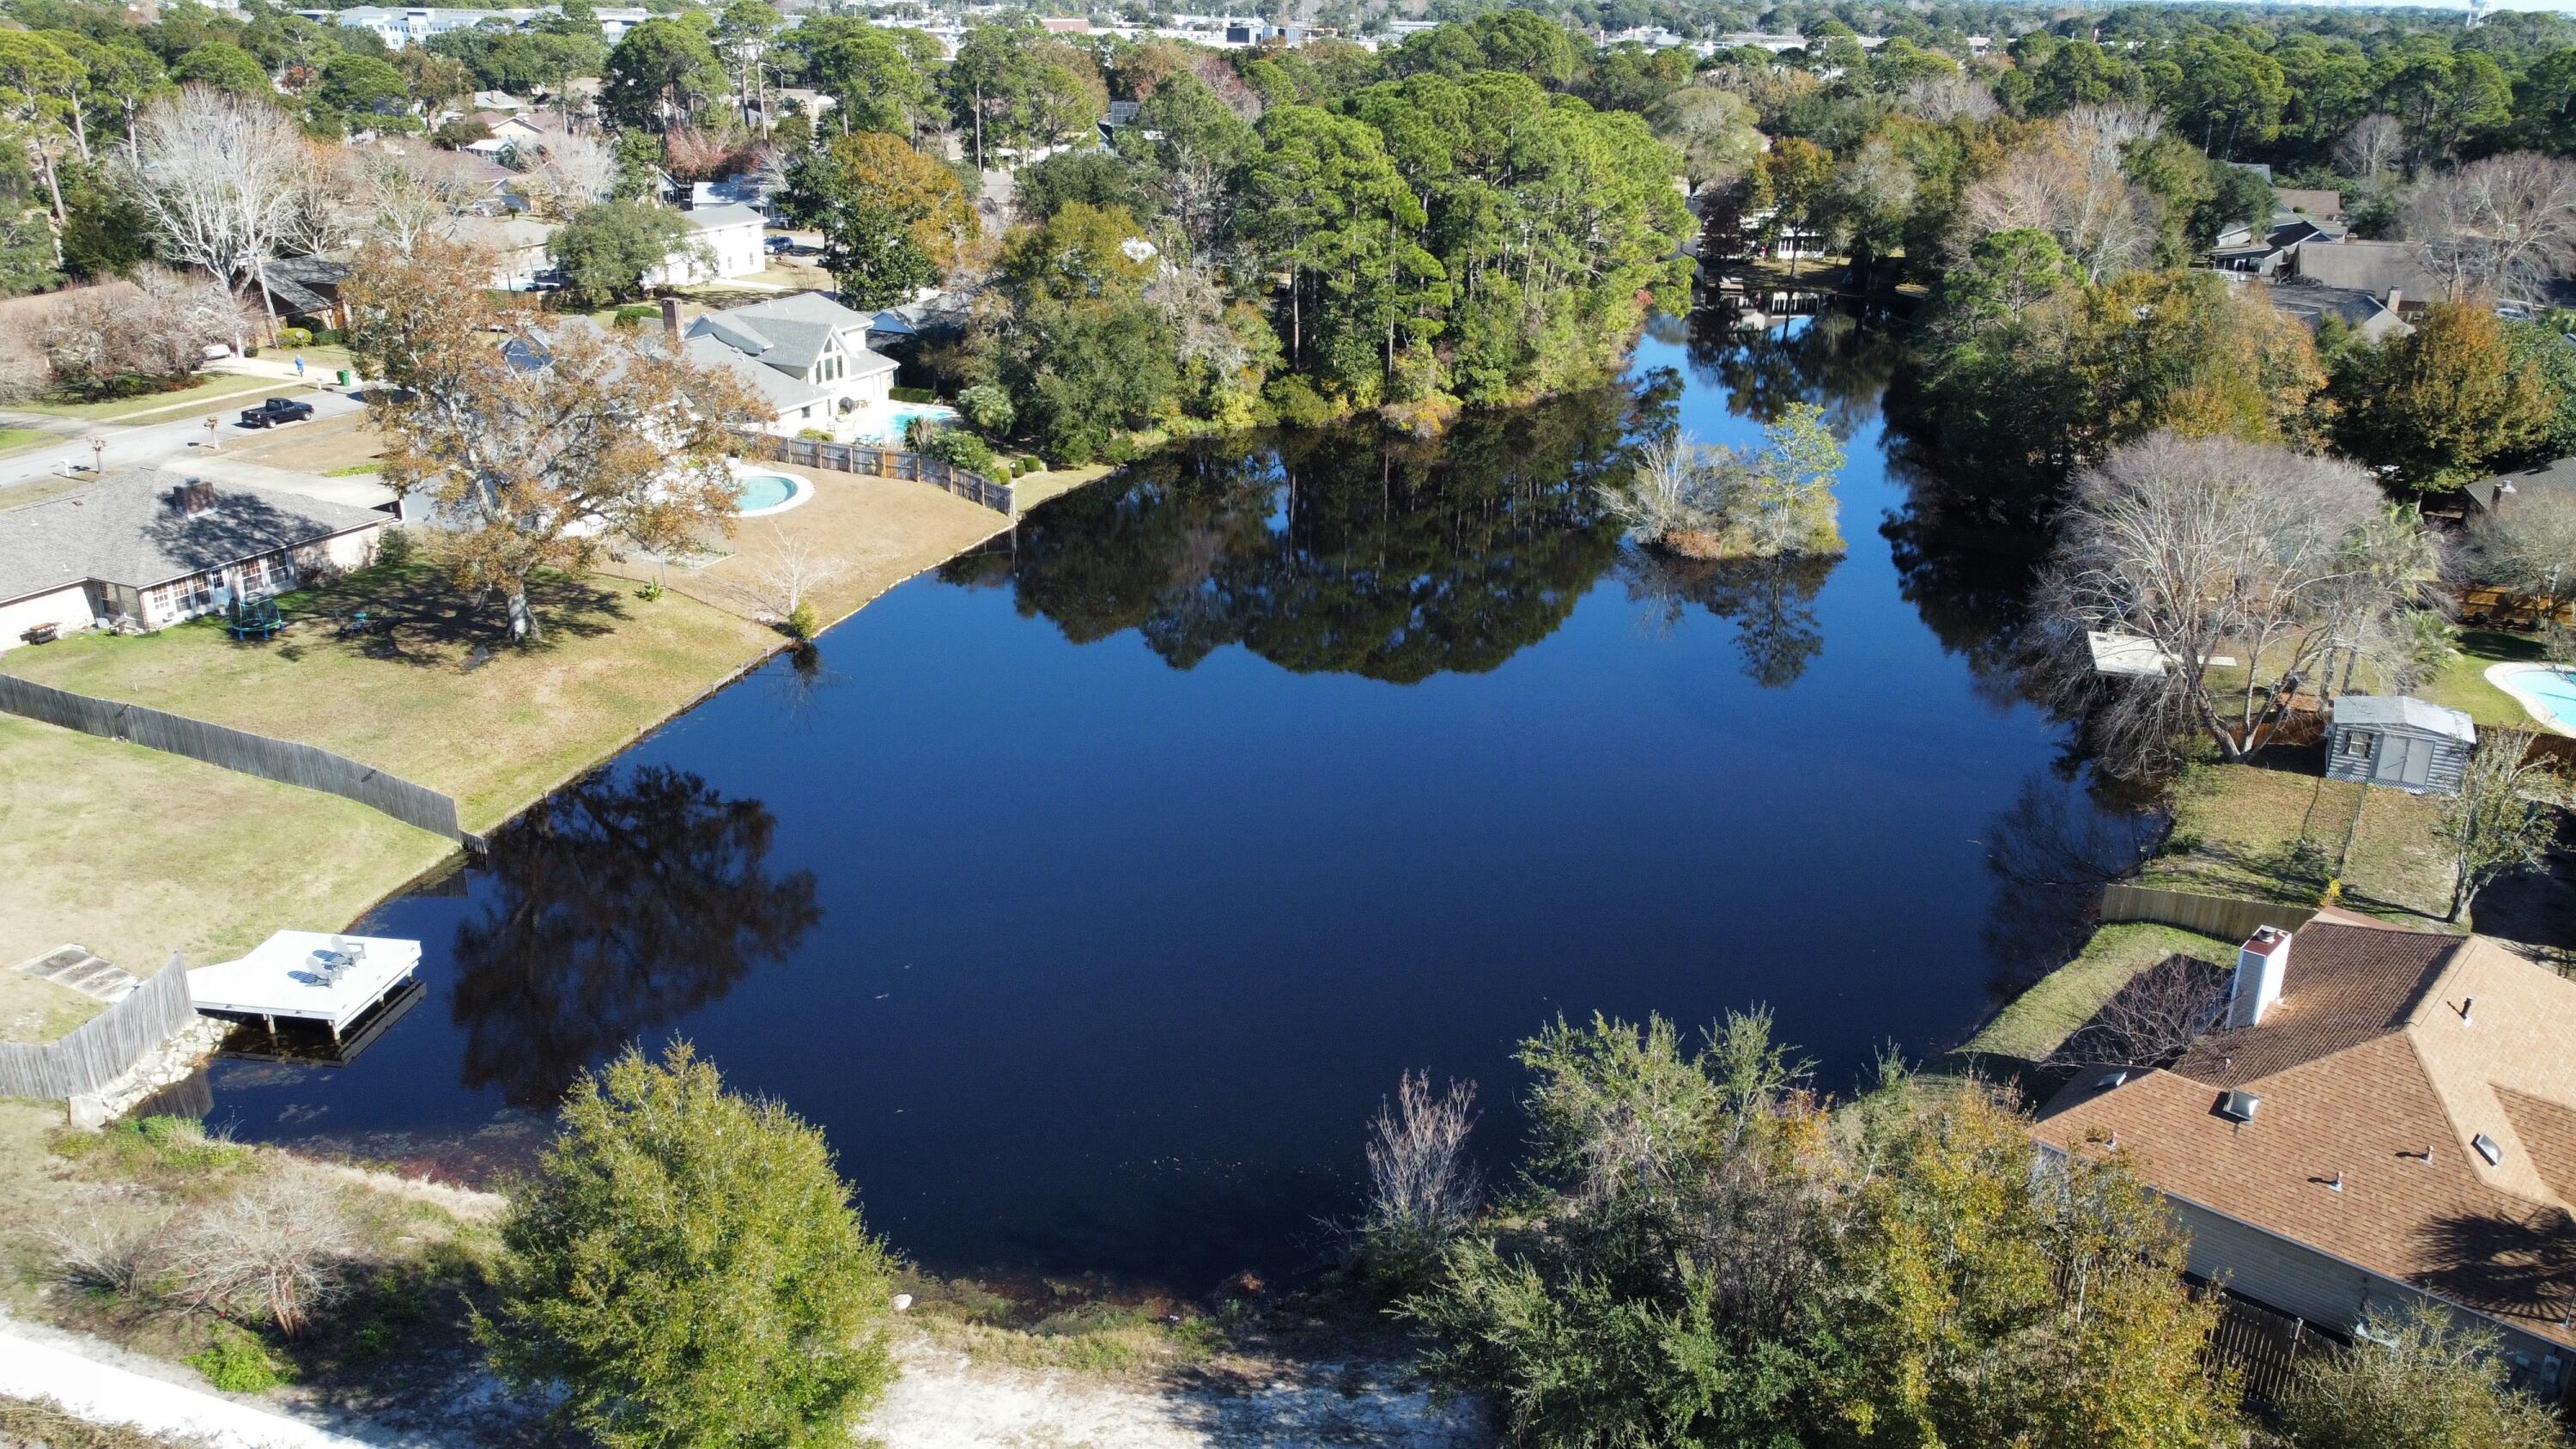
[
  {"x": 731, "y": 235},
  {"x": 2384, "y": 1119},
  {"x": 406, "y": 25},
  {"x": 2266, "y": 250},
  {"x": 806, "y": 354}
]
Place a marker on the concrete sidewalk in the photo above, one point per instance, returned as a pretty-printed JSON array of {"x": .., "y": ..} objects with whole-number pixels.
[{"x": 31, "y": 1367}]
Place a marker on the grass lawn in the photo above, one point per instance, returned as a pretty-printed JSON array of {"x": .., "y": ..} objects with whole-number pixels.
[
  {"x": 136, "y": 854},
  {"x": 36, "y": 1010},
  {"x": 12, "y": 439},
  {"x": 2273, "y": 834},
  {"x": 212, "y": 389},
  {"x": 434, "y": 700},
  {"x": 2049, "y": 1012},
  {"x": 2462, "y": 683},
  {"x": 1031, "y": 489}
]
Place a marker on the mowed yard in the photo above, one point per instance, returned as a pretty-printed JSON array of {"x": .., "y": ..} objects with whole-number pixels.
[
  {"x": 136, "y": 854},
  {"x": 2274, "y": 834}
]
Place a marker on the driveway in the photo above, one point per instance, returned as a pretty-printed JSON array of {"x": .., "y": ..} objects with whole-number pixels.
[{"x": 143, "y": 444}]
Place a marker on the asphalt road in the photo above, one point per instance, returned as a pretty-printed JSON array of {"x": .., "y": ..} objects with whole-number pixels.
[{"x": 147, "y": 444}]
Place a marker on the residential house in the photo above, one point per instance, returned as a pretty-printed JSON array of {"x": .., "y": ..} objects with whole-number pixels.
[
  {"x": 2264, "y": 250},
  {"x": 2385, "y": 1118},
  {"x": 2394, "y": 272},
  {"x": 2313, "y": 302},
  {"x": 517, "y": 244},
  {"x": 805, "y": 353},
  {"x": 2555, "y": 476},
  {"x": 156, "y": 547},
  {"x": 731, "y": 236},
  {"x": 509, "y": 131}
]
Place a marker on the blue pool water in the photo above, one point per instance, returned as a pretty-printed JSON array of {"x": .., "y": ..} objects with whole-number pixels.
[
  {"x": 757, "y": 491},
  {"x": 2556, "y": 691},
  {"x": 891, "y": 432}
]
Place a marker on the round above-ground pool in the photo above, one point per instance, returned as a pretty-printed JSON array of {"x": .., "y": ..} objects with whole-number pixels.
[
  {"x": 760, "y": 491},
  {"x": 2546, "y": 691}
]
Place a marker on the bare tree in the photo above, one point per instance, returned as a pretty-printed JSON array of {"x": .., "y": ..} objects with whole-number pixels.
[
  {"x": 1942, "y": 98},
  {"x": 784, "y": 574},
  {"x": 274, "y": 1249},
  {"x": 408, "y": 195},
  {"x": 2505, "y": 225},
  {"x": 2152, "y": 1018},
  {"x": 106, "y": 1257},
  {"x": 224, "y": 181},
  {"x": 2072, "y": 185},
  {"x": 2503, "y": 818},
  {"x": 1422, "y": 1187},
  {"x": 158, "y": 326},
  {"x": 2371, "y": 150},
  {"x": 570, "y": 171},
  {"x": 2203, "y": 547},
  {"x": 2527, "y": 544}
]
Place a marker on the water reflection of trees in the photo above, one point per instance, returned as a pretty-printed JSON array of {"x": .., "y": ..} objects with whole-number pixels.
[
  {"x": 621, "y": 904},
  {"x": 1838, "y": 360},
  {"x": 1771, "y": 602},
  {"x": 2066, "y": 835},
  {"x": 1338, "y": 550}
]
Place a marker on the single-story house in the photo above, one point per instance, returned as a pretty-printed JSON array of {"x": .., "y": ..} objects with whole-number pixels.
[
  {"x": 2313, "y": 302},
  {"x": 509, "y": 131},
  {"x": 2385, "y": 1118},
  {"x": 2394, "y": 272},
  {"x": 158, "y": 547},
  {"x": 805, "y": 353},
  {"x": 731, "y": 235},
  {"x": 2266, "y": 250},
  {"x": 2555, "y": 476}
]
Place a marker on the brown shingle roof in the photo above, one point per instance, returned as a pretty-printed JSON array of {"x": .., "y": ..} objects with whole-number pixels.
[{"x": 2387, "y": 1056}]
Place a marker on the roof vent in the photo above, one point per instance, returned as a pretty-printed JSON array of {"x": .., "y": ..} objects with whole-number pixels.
[
  {"x": 2238, "y": 1105},
  {"x": 2109, "y": 1080},
  {"x": 2487, "y": 1149}
]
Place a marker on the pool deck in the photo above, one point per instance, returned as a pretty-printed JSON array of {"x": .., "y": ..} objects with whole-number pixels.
[{"x": 2504, "y": 677}]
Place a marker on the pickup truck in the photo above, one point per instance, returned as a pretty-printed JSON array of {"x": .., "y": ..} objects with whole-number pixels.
[{"x": 274, "y": 411}]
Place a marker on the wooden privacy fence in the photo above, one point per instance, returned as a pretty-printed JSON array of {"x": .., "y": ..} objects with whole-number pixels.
[
  {"x": 2260, "y": 1345},
  {"x": 2224, "y": 917},
  {"x": 284, "y": 761},
  {"x": 105, "y": 1047},
  {"x": 886, "y": 463}
]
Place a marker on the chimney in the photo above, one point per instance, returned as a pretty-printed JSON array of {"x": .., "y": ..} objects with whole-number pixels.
[
  {"x": 671, "y": 323},
  {"x": 2395, "y": 296},
  {"x": 192, "y": 498},
  {"x": 2259, "y": 964}
]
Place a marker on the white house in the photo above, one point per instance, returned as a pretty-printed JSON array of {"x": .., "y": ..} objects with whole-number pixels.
[
  {"x": 157, "y": 547},
  {"x": 517, "y": 243},
  {"x": 805, "y": 353},
  {"x": 731, "y": 235}
]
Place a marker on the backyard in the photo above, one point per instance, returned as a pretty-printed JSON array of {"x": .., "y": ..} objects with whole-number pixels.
[
  {"x": 2042, "y": 1018},
  {"x": 2276, "y": 834},
  {"x": 135, "y": 854}
]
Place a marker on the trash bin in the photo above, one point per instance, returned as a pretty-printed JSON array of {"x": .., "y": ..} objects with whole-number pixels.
[{"x": 347, "y": 378}]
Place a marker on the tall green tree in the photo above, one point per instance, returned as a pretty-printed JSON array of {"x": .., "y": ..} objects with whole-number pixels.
[
  {"x": 892, "y": 218},
  {"x": 874, "y": 83},
  {"x": 660, "y": 75},
  {"x": 686, "y": 1266},
  {"x": 607, "y": 250},
  {"x": 2439, "y": 407}
]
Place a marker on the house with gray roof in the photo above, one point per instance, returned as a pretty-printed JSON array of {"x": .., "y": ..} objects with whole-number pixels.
[
  {"x": 729, "y": 234},
  {"x": 2394, "y": 272},
  {"x": 159, "y": 547},
  {"x": 805, "y": 353}
]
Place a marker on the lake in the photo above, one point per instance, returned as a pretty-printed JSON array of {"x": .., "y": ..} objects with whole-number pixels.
[{"x": 1092, "y": 892}]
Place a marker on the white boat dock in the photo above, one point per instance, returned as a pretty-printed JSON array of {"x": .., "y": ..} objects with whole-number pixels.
[{"x": 306, "y": 976}]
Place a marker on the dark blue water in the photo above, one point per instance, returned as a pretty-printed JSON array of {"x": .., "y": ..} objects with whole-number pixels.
[{"x": 1091, "y": 893}]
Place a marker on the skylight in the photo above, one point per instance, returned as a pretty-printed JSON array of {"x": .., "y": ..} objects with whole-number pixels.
[
  {"x": 2487, "y": 1149},
  {"x": 2238, "y": 1106}
]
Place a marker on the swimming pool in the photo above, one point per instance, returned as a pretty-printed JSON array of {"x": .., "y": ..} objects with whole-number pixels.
[
  {"x": 2548, "y": 692},
  {"x": 758, "y": 493},
  {"x": 886, "y": 428}
]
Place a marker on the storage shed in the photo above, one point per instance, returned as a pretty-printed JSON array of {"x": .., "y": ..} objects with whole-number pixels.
[{"x": 2399, "y": 741}]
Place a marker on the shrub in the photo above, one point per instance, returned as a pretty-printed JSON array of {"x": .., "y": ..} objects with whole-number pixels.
[
  {"x": 1299, "y": 404},
  {"x": 238, "y": 1363},
  {"x": 912, "y": 394},
  {"x": 962, "y": 448},
  {"x": 635, "y": 314},
  {"x": 2419, "y": 1378},
  {"x": 396, "y": 547},
  {"x": 987, "y": 409},
  {"x": 802, "y": 623},
  {"x": 814, "y": 435},
  {"x": 274, "y": 1249},
  {"x": 1120, "y": 451},
  {"x": 294, "y": 337},
  {"x": 686, "y": 1265}
]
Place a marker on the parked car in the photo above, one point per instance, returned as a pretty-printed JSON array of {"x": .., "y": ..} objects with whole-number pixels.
[
  {"x": 274, "y": 411},
  {"x": 780, "y": 243}
]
